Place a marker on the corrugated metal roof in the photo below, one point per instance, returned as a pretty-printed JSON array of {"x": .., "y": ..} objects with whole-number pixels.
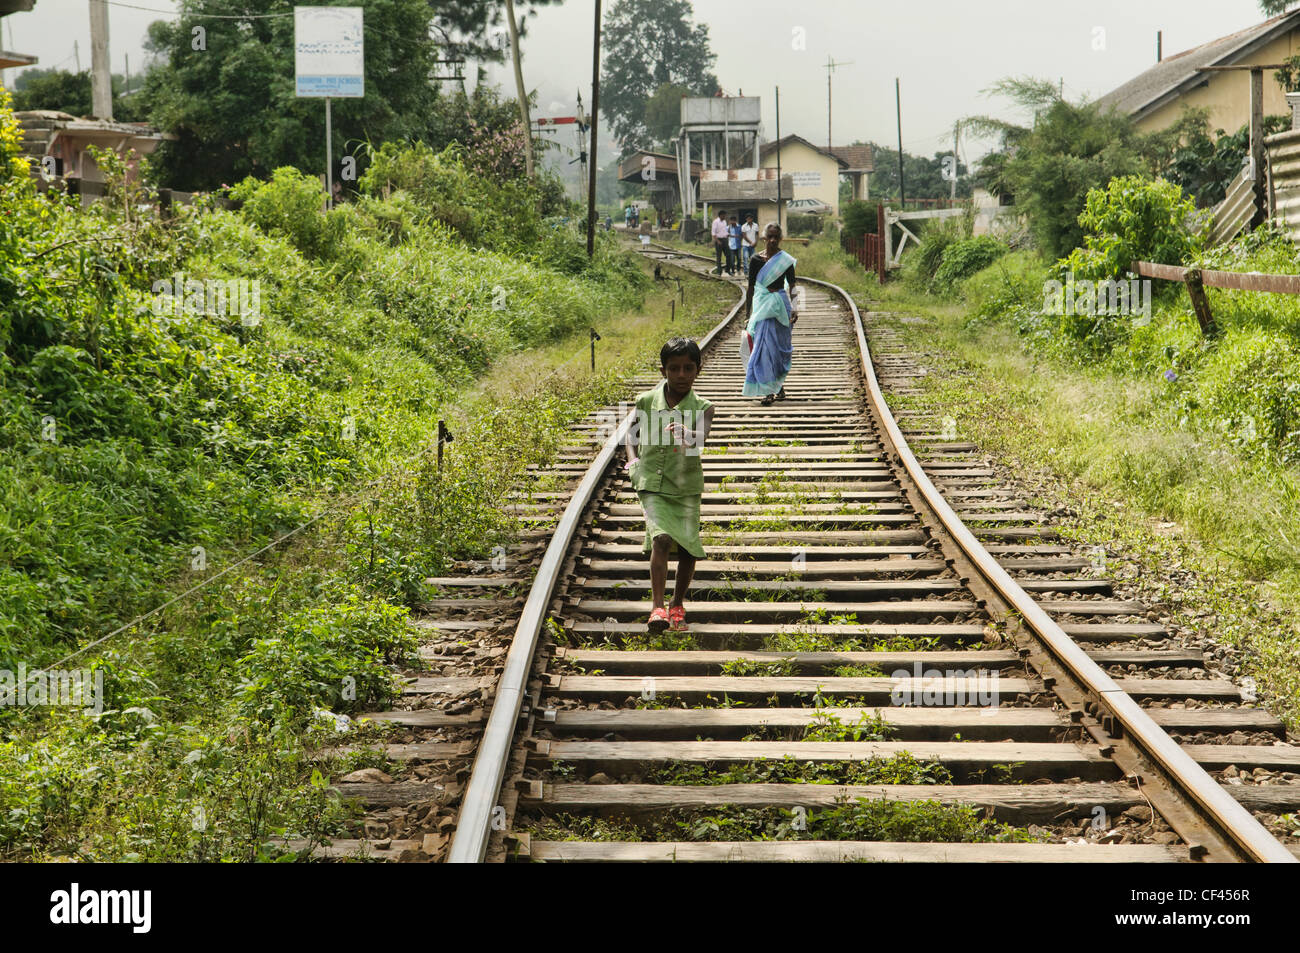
[{"x": 1183, "y": 70}]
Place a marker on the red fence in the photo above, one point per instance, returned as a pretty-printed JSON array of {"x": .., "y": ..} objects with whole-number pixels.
[{"x": 869, "y": 250}]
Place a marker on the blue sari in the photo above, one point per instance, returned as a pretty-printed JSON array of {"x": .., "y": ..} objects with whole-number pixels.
[{"x": 769, "y": 324}]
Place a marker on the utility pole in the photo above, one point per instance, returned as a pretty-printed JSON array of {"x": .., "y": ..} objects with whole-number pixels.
[
  {"x": 898, "y": 107},
  {"x": 127, "y": 71},
  {"x": 595, "y": 121},
  {"x": 519, "y": 87},
  {"x": 778, "y": 160},
  {"x": 101, "y": 79},
  {"x": 830, "y": 66},
  {"x": 956, "y": 133},
  {"x": 76, "y": 53}
]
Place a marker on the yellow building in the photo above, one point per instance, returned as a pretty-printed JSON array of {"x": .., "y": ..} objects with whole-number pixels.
[
  {"x": 1155, "y": 99},
  {"x": 814, "y": 171}
]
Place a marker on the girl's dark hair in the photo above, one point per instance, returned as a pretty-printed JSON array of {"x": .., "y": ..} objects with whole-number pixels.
[{"x": 679, "y": 346}]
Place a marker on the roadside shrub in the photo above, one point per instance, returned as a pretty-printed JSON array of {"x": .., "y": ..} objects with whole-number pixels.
[
  {"x": 859, "y": 218},
  {"x": 1132, "y": 218},
  {"x": 920, "y": 266},
  {"x": 806, "y": 224},
  {"x": 965, "y": 257},
  {"x": 500, "y": 214},
  {"x": 334, "y": 655},
  {"x": 291, "y": 204},
  {"x": 1250, "y": 384}
]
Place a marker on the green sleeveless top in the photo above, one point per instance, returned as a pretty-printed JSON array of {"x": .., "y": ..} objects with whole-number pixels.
[{"x": 663, "y": 466}]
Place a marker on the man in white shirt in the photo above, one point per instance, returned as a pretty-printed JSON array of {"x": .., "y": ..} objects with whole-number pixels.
[
  {"x": 748, "y": 242},
  {"x": 719, "y": 239}
]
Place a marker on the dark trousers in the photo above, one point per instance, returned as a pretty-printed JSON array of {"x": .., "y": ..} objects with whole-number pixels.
[
  {"x": 733, "y": 254},
  {"x": 719, "y": 248}
]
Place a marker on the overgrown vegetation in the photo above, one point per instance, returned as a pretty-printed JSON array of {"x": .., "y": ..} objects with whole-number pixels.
[
  {"x": 156, "y": 434},
  {"x": 860, "y": 819}
]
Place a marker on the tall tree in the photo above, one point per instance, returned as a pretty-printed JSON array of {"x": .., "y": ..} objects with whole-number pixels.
[
  {"x": 663, "y": 114},
  {"x": 1050, "y": 165},
  {"x": 924, "y": 177},
  {"x": 225, "y": 87},
  {"x": 649, "y": 44},
  {"x": 70, "y": 93}
]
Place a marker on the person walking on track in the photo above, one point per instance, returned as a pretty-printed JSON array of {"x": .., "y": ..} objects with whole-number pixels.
[
  {"x": 665, "y": 468},
  {"x": 771, "y": 314},
  {"x": 719, "y": 233},
  {"x": 748, "y": 242},
  {"x": 733, "y": 246}
]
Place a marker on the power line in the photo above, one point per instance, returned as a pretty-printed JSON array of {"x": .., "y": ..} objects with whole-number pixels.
[{"x": 205, "y": 16}]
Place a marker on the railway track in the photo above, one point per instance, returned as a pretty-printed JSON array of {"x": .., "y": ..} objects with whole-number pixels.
[{"x": 890, "y": 657}]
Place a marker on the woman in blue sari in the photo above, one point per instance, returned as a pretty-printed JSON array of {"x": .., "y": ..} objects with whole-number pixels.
[{"x": 771, "y": 319}]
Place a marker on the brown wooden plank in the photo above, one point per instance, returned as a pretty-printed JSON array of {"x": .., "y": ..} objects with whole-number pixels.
[
  {"x": 1179, "y": 688},
  {"x": 615, "y": 662},
  {"x": 1010, "y": 803},
  {"x": 958, "y": 689},
  {"x": 426, "y": 718},
  {"x": 837, "y": 851},
  {"x": 397, "y": 794},
  {"x": 1033, "y": 757},
  {"x": 706, "y": 610},
  {"x": 341, "y": 848},
  {"x": 451, "y": 685},
  {"x": 811, "y": 569},
  {"x": 1273, "y": 757},
  {"x": 1217, "y": 719},
  {"x": 977, "y": 723}
]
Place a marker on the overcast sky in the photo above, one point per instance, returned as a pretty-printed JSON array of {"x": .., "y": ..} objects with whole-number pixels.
[{"x": 944, "y": 52}]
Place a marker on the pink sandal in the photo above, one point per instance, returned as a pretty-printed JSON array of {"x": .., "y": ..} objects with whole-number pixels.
[
  {"x": 677, "y": 619},
  {"x": 658, "y": 620}
]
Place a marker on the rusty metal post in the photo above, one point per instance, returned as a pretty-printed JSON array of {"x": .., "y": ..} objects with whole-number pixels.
[
  {"x": 594, "y": 338},
  {"x": 1200, "y": 303},
  {"x": 1258, "y": 158},
  {"x": 444, "y": 436}
]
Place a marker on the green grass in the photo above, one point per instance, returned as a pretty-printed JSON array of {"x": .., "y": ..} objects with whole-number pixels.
[{"x": 1168, "y": 472}]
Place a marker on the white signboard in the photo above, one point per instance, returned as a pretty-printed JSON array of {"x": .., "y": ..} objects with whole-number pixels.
[
  {"x": 329, "y": 51},
  {"x": 806, "y": 179}
]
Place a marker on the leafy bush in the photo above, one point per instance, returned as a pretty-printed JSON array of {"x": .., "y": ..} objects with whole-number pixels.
[
  {"x": 1250, "y": 386},
  {"x": 499, "y": 214},
  {"x": 965, "y": 257},
  {"x": 859, "y": 217},
  {"x": 139, "y": 432},
  {"x": 921, "y": 265},
  {"x": 333, "y": 655},
  {"x": 1133, "y": 218},
  {"x": 806, "y": 224},
  {"x": 292, "y": 204}
]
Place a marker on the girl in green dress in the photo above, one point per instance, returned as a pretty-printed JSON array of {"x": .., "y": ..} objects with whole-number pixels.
[{"x": 663, "y": 450}]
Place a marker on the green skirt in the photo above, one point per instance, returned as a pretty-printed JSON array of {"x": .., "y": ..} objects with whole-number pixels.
[{"x": 675, "y": 516}]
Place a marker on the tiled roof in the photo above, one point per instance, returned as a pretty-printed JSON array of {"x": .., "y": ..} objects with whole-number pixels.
[
  {"x": 859, "y": 158},
  {"x": 767, "y": 148}
]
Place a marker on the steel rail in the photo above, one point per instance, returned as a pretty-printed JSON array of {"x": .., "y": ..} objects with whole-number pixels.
[
  {"x": 1238, "y": 824},
  {"x": 474, "y": 825}
]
